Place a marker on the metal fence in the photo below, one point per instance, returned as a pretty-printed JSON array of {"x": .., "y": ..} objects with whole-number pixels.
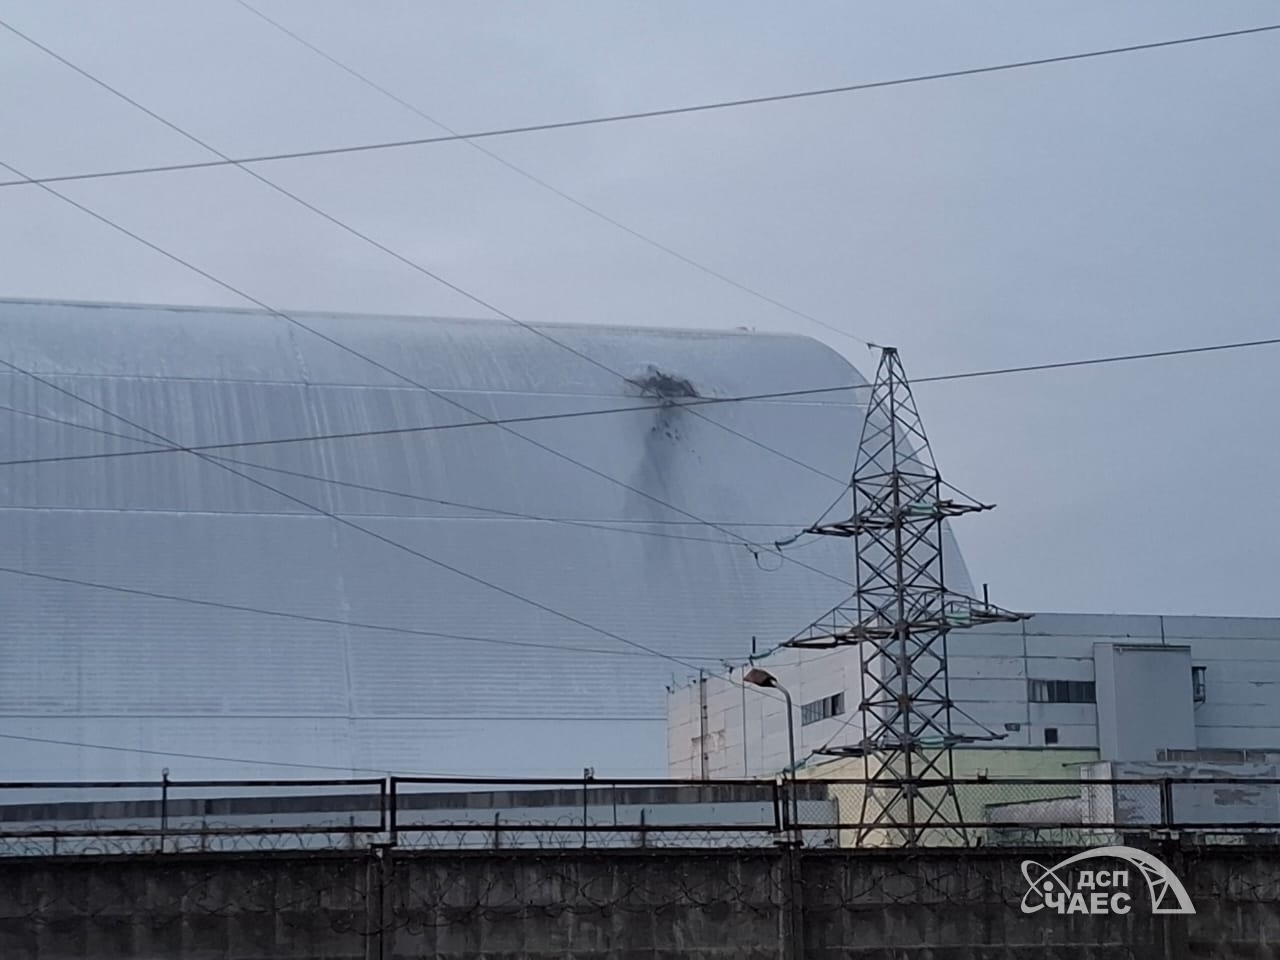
[{"x": 45, "y": 819}]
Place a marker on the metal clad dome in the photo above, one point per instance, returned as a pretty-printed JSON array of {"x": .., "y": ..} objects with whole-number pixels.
[{"x": 108, "y": 668}]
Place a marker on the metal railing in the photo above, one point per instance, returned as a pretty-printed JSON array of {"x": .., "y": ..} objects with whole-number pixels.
[
  {"x": 166, "y": 816},
  {"x": 88, "y": 817}
]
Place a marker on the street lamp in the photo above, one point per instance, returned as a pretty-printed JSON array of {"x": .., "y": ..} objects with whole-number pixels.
[{"x": 763, "y": 678}]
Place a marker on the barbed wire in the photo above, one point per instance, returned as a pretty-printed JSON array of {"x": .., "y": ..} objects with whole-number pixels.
[{"x": 756, "y": 814}]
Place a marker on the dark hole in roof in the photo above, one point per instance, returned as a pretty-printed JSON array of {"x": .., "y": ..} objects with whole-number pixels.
[{"x": 665, "y": 386}]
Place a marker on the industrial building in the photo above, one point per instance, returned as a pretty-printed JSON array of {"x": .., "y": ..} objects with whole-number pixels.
[
  {"x": 1080, "y": 728},
  {"x": 1058, "y": 690},
  {"x": 235, "y": 614},
  {"x": 536, "y": 585}
]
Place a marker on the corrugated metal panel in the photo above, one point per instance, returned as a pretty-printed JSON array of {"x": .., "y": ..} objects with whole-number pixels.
[{"x": 89, "y": 665}]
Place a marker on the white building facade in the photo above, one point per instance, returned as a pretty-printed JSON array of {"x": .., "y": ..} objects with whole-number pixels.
[{"x": 1082, "y": 686}]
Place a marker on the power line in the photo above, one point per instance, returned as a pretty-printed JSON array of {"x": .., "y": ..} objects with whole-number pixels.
[
  {"x": 343, "y": 225},
  {"x": 294, "y": 764},
  {"x": 701, "y": 401},
  {"x": 593, "y": 524},
  {"x": 691, "y": 109},
  {"x": 646, "y": 114},
  {"x": 552, "y": 188},
  {"x": 351, "y": 435},
  {"x": 753, "y": 547},
  {"x": 1093, "y": 361},
  {"x": 489, "y": 718},
  {"x": 365, "y": 530},
  {"x": 505, "y": 514},
  {"x": 415, "y": 266},
  {"x": 427, "y": 272},
  {"x": 330, "y": 515},
  {"x": 359, "y": 434},
  {"x": 327, "y": 621},
  {"x": 243, "y": 608},
  {"x": 383, "y": 248},
  {"x": 438, "y": 501},
  {"x": 346, "y": 521}
]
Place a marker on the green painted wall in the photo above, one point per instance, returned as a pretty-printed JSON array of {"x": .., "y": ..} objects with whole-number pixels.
[{"x": 975, "y": 799}]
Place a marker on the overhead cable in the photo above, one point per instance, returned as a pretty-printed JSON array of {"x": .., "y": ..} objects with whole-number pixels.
[
  {"x": 382, "y": 248},
  {"x": 490, "y": 512},
  {"x": 750, "y": 545},
  {"x": 327, "y": 621},
  {"x": 647, "y": 114},
  {"x": 606, "y": 524},
  {"x": 292, "y": 764},
  {"x": 698, "y": 402},
  {"x": 753, "y": 547},
  {"x": 552, "y": 188},
  {"x": 351, "y": 524}
]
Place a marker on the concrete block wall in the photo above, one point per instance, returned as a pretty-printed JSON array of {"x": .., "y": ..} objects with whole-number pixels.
[{"x": 596, "y": 905}]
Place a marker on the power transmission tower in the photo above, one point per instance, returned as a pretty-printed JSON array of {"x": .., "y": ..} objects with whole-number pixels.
[{"x": 900, "y": 616}]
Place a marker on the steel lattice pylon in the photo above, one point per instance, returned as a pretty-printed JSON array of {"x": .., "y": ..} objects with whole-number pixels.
[{"x": 900, "y": 615}]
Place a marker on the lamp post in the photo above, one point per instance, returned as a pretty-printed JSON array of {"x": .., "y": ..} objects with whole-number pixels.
[{"x": 763, "y": 678}]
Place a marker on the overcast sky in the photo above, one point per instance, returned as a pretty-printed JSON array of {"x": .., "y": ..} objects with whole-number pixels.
[{"x": 1106, "y": 206}]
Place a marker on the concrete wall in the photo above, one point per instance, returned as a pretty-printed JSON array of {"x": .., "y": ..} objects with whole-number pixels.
[
  {"x": 744, "y": 733},
  {"x": 587, "y": 905}
]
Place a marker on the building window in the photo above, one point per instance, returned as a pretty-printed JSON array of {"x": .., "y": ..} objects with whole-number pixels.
[
  {"x": 1197, "y": 684},
  {"x": 1050, "y": 736},
  {"x": 1061, "y": 691},
  {"x": 831, "y": 706}
]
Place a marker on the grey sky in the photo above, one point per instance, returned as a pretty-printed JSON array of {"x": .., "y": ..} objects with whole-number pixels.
[{"x": 1066, "y": 211}]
